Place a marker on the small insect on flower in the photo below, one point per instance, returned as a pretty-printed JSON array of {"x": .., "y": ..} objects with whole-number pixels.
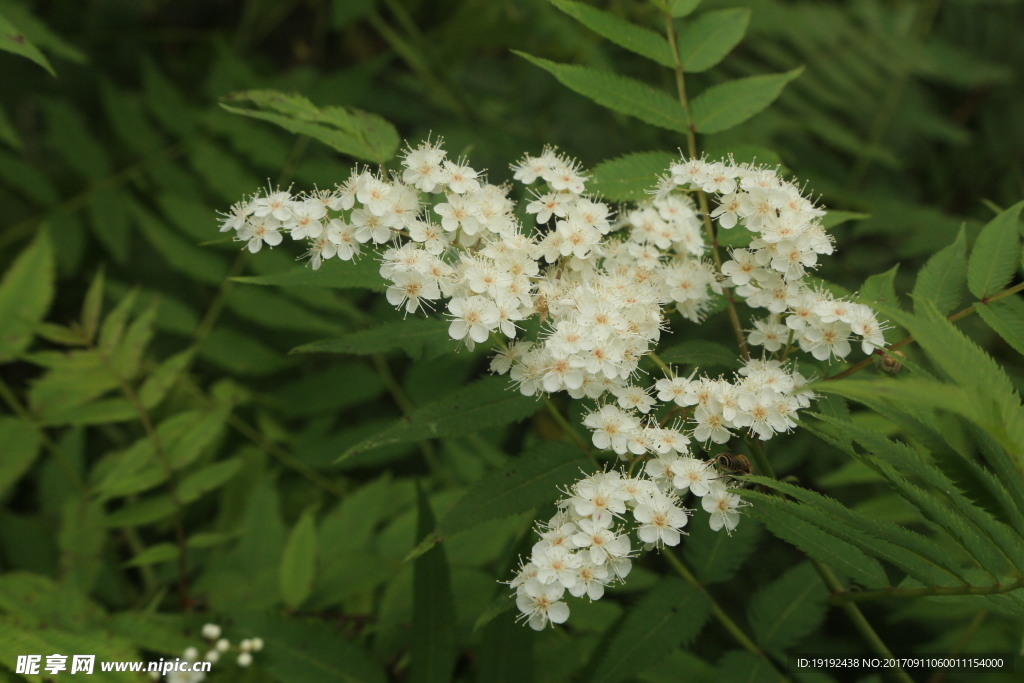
[{"x": 733, "y": 464}]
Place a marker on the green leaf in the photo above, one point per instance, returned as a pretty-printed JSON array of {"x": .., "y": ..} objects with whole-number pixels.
[
  {"x": 787, "y": 610},
  {"x": 531, "y": 480},
  {"x": 745, "y": 667},
  {"x": 13, "y": 40},
  {"x": 25, "y": 295},
  {"x": 996, "y": 254},
  {"x": 729, "y": 104},
  {"x": 144, "y": 512},
  {"x": 880, "y": 289},
  {"x": 81, "y": 539},
  {"x": 629, "y": 177},
  {"x": 505, "y": 654},
  {"x": 670, "y": 615},
  {"x": 702, "y": 354},
  {"x": 8, "y": 134},
  {"x": 433, "y": 608},
  {"x": 681, "y": 8},
  {"x": 21, "y": 442},
  {"x": 841, "y": 556},
  {"x": 92, "y": 306},
  {"x": 487, "y": 403},
  {"x": 710, "y": 37},
  {"x": 642, "y": 41},
  {"x": 714, "y": 556},
  {"x": 915, "y": 554},
  {"x": 943, "y": 280},
  {"x": 160, "y": 381},
  {"x": 1006, "y": 317},
  {"x": 834, "y": 218},
  {"x": 187, "y": 258},
  {"x": 207, "y": 479},
  {"x": 335, "y": 274},
  {"x": 420, "y": 338},
  {"x": 617, "y": 93},
  {"x": 299, "y": 561},
  {"x": 350, "y": 131},
  {"x": 154, "y": 554},
  {"x": 298, "y": 650}
]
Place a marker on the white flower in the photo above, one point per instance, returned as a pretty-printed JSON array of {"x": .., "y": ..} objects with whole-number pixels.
[
  {"x": 694, "y": 475},
  {"x": 723, "y": 506},
  {"x": 556, "y": 564},
  {"x": 660, "y": 520},
  {"x": 475, "y": 317},
  {"x": 210, "y": 632},
  {"x": 259, "y": 230},
  {"x": 603, "y": 542},
  {"x": 460, "y": 179},
  {"x": 409, "y": 288},
  {"x": 541, "y": 603}
]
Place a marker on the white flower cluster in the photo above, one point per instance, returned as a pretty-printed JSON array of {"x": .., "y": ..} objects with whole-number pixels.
[
  {"x": 586, "y": 545},
  {"x": 218, "y": 646},
  {"x": 788, "y": 238}
]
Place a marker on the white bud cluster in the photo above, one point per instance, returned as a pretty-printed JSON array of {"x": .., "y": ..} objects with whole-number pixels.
[
  {"x": 218, "y": 647},
  {"x": 586, "y": 545}
]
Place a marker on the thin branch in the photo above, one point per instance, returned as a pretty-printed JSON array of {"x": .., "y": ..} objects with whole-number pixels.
[
  {"x": 734, "y": 630},
  {"x": 843, "y": 597}
]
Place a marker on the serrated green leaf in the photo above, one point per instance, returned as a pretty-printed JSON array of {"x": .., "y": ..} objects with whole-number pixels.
[
  {"x": 785, "y": 611},
  {"x": 299, "y": 561},
  {"x": 945, "y": 504},
  {"x": 529, "y": 481},
  {"x": 154, "y": 554},
  {"x": 710, "y": 37},
  {"x": 996, "y": 253},
  {"x": 841, "y": 556},
  {"x": 642, "y": 41},
  {"x": 729, "y": 104},
  {"x": 433, "y": 608},
  {"x": 334, "y": 274},
  {"x": 618, "y": 93},
  {"x": 915, "y": 554},
  {"x": 26, "y": 291},
  {"x": 629, "y": 177},
  {"x": 714, "y": 556},
  {"x": 880, "y": 289},
  {"x": 943, "y": 279},
  {"x": 487, "y": 403},
  {"x": 702, "y": 354},
  {"x": 745, "y": 667},
  {"x": 350, "y": 131},
  {"x": 21, "y": 442},
  {"x": 670, "y": 615},
  {"x": 419, "y": 338},
  {"x": 14, "y": 40},
  {"x": 1006, "y": 317}
]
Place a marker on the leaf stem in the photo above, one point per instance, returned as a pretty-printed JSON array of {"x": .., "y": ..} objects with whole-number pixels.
[
  {"x": 952, "y": 318},
  {"x": 702, "y": 198},
  {"x": 734, "y": 630},
  {"x": 859, "y": 621},
  {"x": 15, "y": 405},
  {"x": 843, "y": 597},
  {"x": 568, "y": 430}
]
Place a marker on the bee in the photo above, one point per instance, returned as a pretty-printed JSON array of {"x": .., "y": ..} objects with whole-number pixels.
[{"x": 734, "y": 464}]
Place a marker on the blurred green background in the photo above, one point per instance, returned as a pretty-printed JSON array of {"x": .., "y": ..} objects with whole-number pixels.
[{"x": 909, "y": 112}]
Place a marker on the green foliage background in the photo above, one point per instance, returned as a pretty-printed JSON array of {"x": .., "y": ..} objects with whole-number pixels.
[{"x": 120, "y": 305}]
